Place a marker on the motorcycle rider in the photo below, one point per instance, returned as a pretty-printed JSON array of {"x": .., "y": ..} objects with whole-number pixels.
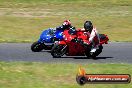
[
  {"x": 92, "y": 32},
  {"x": 66, "y": 25}
]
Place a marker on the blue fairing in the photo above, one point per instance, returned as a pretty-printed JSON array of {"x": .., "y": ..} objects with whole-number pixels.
[
  {"x": 59, "y": 34},
  {"x": 48, "y": 35}
]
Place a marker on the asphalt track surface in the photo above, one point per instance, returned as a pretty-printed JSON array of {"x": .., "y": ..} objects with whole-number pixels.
[{"x": 117, "y": 52}]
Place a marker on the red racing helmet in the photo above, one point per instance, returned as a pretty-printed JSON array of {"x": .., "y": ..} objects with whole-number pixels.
[{"x": 66, "y": 23}]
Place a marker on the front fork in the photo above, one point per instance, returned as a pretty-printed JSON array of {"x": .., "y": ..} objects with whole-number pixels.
[{"x": 64, "y": 48}]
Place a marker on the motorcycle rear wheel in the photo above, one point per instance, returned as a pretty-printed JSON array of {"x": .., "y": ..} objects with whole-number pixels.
[{"x": 97, "y": 52}]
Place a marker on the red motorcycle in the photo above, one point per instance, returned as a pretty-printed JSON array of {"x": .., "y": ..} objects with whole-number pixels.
[{"x": 72, "y": 45}]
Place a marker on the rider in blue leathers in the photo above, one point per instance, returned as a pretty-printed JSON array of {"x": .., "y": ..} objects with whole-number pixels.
[{"x": 66, "y": 25}]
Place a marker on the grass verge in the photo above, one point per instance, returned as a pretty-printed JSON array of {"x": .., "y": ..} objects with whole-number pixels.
[
  {"x": 23, "y": 21},
  {"x": 54, "y": 75}
]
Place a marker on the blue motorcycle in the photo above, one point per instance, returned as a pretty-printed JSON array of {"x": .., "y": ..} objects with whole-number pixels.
[{"x": 47, "y": 39}]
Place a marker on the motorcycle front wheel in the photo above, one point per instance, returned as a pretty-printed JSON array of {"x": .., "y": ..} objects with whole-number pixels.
[
  {"x": 37, "y": 47},
  {"x": 58, "y": 50}
]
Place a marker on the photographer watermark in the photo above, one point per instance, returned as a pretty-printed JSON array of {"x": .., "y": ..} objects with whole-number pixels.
[{"x": 83, "y": 78}]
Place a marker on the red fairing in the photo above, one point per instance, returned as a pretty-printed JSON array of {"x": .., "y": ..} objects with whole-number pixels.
[
  {"x": 73, "y": 47},
  {"x": 104, "y": 39},
  {"x": 82, "y": 34},
  {"x": 68, "y": 37},
  {"x": 62, "y": 42}
]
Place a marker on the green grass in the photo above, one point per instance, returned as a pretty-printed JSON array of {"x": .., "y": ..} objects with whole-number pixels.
[
  {"x": 55, "y": 75},
  {"x": 24, "y": 20}
]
